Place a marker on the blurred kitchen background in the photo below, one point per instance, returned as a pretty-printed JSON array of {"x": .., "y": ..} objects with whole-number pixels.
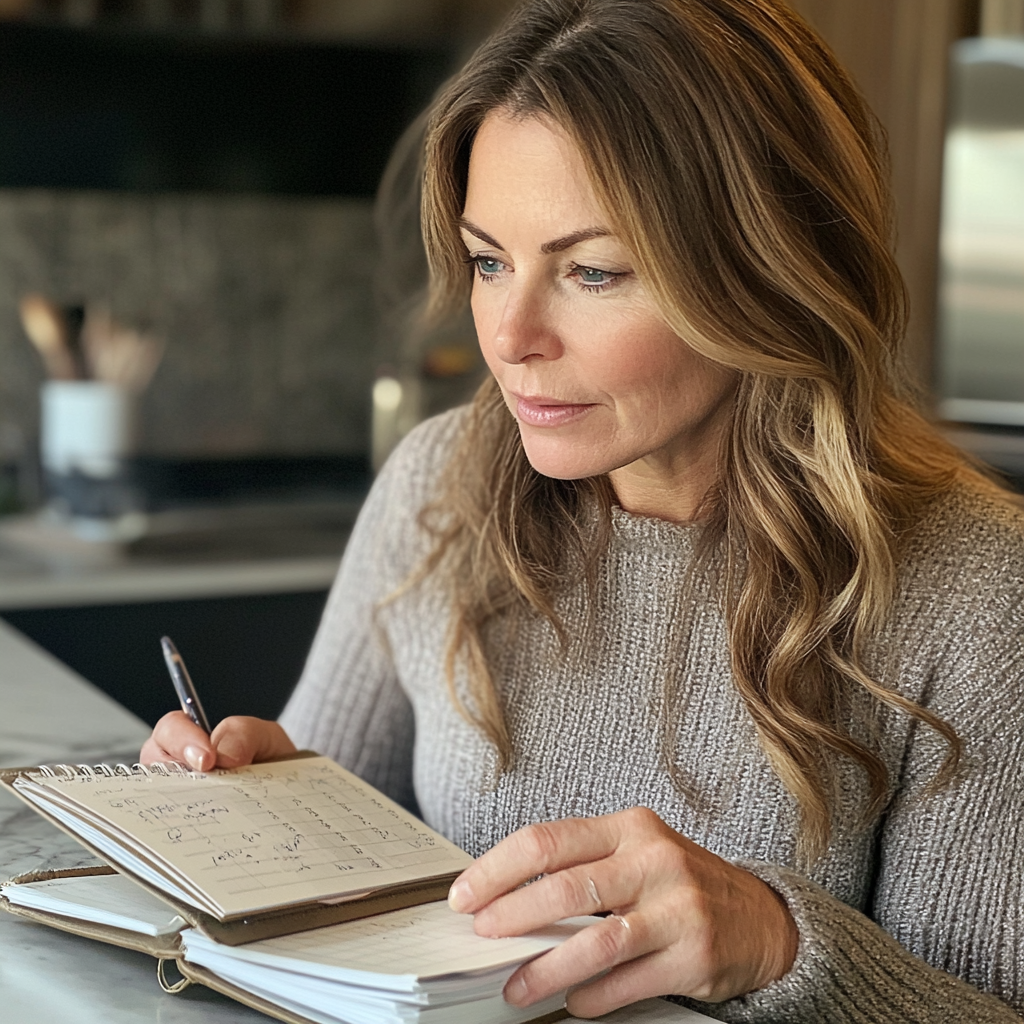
[{"x": 199, "y": 176}]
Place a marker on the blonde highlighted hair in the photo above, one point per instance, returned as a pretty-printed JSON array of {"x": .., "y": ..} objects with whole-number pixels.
[{"x": 743, "y": 170}]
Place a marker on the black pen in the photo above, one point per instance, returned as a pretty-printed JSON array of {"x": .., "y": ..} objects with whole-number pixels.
[{"x": 190, "y": 703}]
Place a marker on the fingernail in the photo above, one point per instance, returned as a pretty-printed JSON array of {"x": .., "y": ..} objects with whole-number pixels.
[
  {"x": 195, "y": 758},
  {"x": 516, "y": 992},
  {"x": 460, "y": 895}
]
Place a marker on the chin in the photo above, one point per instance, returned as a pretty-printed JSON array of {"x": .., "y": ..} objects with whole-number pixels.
[{"x": 562, "y": 459}]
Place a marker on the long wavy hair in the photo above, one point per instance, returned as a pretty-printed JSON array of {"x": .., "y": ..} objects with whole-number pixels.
[{"x": 740, "y": 165}]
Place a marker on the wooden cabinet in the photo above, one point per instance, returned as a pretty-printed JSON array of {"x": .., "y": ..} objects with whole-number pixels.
[{"x": 898, "y": 52}]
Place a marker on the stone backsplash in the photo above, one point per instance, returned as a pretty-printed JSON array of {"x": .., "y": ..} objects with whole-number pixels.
[{"x": 265, "y": 304}]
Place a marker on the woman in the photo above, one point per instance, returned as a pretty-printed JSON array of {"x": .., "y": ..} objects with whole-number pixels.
[{"x": 690, "y": 612}]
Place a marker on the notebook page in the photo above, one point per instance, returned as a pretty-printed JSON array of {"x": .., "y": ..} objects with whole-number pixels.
[
  {"x": 115, "y": 852},
  {"x": 334, "y": 1002},
  {"x": 262, "y": 836},
  {"x": 102, "y": 899},
  {"x": 397, "y": 951}
]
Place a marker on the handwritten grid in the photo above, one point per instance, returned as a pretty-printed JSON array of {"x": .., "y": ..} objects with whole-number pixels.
[{"x": 284, "y": 832}]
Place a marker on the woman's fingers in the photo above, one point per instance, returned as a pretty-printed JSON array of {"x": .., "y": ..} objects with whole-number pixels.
[
  {"x": 685, "y": 921},
  {"x": 152, "y": 753},
  {"x": 608, "y": 884},
  {"x": 535, "y": 850},
  {"x": 604, "y": 945},
  {"x": 237, "y": 740},
  {"x": 638, "y": 979},
  {"x": 180, "y": 739},
  {"x": 241, "y": 739}
]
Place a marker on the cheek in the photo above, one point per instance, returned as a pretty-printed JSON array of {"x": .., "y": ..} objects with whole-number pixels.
[
  {"x": 486, "y": 318},
  {"x": 641, "y": 364},
  {"x": 659, "y": 385}
]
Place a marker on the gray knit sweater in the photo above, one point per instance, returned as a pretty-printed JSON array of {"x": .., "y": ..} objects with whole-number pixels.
[{"x": 918, "y": 919}]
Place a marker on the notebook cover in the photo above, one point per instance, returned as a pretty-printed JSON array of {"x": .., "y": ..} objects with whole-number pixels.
[{"x": 202, "y": 976}]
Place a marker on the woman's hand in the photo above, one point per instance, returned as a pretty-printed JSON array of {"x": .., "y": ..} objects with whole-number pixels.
[
  {"x": 685, "y": 922},
  {"x": 235, "y": 741}
]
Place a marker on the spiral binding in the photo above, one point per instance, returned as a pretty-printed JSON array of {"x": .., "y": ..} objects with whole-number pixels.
[{"x": 119, "y": 770}]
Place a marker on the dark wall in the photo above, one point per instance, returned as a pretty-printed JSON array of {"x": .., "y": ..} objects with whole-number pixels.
[
  {"x": 245, "y": 654},
  {"x": 127, "y": 110}
]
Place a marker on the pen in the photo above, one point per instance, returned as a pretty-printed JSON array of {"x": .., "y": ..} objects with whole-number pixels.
[{"x": 190, "y": 703}]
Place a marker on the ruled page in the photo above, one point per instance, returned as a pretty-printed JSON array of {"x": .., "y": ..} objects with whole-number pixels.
[{"x": 262, "y": 836}]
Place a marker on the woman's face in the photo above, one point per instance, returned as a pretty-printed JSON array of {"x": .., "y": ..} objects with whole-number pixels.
[{"x": 596, "y": 379}]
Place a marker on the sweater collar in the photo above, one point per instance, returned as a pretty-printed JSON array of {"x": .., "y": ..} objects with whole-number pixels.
[{"x": 633, "y": 531}]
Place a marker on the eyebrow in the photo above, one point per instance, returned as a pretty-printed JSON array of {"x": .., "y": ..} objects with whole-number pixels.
[{"x": 555, "y": 245}]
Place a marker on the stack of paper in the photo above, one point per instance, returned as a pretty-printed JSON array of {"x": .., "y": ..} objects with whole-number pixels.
[
  {"x": 102, "y": 899},
  {"x": 423, "y": 965}
]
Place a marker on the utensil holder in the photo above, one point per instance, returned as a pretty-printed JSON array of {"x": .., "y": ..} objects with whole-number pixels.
[{"x": 87, "y": 434}]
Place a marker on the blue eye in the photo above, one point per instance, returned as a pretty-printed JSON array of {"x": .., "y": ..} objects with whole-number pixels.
[
  {"x": 486, "y": 268},
  {"x": 590, "y": 279}
]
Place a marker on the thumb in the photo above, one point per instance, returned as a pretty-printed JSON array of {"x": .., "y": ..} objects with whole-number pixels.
[{"x": 237, "y": 741}]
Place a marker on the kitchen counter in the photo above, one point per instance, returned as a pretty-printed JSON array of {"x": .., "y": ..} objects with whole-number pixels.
[
  {"x": 177, "y": 555},
  {"x": 28, "y": 583}
]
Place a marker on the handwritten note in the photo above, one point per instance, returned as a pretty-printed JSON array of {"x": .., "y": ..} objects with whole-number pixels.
[{"x": 262, "y": 836}]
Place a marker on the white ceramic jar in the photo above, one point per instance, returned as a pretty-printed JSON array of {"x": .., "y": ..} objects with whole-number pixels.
[{"x": 87, "y": 426}]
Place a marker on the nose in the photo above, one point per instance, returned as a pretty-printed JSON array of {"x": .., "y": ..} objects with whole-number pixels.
[{"x": 526, "y": 330}]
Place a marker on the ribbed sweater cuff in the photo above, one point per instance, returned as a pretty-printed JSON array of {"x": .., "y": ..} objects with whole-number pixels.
[{"x": 849, "y": 971}]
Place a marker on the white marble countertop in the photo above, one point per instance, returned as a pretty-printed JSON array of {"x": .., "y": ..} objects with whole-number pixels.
[{"x": 49, "y": 714}]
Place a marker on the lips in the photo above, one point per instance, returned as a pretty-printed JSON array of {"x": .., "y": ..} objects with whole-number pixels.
[{"x": 540, "y": 411}]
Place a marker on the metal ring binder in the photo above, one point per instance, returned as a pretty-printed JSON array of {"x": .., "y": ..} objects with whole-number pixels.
[
  {"x": 171, "y": 988},
  {"x": 93, "y": 771}
]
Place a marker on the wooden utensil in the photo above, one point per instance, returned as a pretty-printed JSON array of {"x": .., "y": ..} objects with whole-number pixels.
[
  {"x": 117, "y": 354},
  {"x": 47, "y": 329}
]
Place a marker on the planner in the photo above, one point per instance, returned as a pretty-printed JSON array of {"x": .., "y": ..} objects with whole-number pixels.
[
  {"x": 418, "y": 965},
  {"x": 248, "y": 853},
  {"x": 293, "y": 887}
]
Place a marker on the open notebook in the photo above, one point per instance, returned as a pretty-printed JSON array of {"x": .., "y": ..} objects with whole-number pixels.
[
  {"x": 292, "y": 887},
  {"x": 251, "y": 852}
]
